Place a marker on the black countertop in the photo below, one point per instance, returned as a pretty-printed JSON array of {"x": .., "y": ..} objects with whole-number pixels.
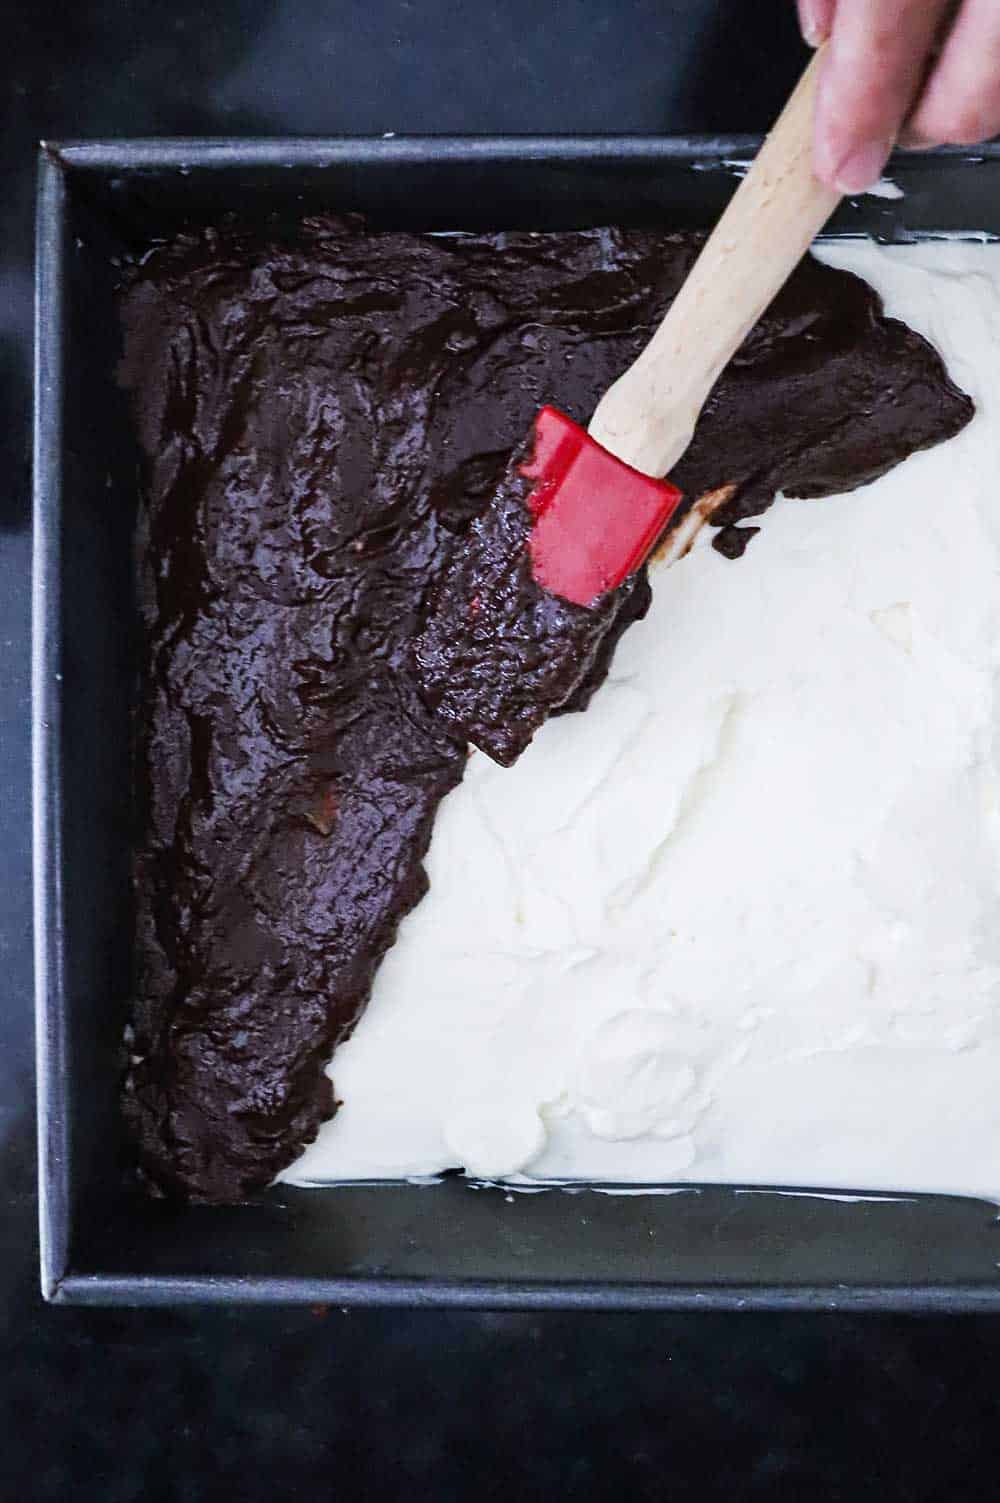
[{"x": 117, "y": 1405}]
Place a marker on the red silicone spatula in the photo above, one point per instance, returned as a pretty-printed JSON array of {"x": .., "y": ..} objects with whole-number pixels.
[{"x": 598, "y": 505}]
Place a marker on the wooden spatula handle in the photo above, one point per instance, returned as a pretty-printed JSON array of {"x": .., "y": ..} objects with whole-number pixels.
[{"x": 648, "y": 416}]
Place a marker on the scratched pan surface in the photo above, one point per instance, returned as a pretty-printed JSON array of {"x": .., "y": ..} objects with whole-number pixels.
[{"x": 451, "y": 1244}]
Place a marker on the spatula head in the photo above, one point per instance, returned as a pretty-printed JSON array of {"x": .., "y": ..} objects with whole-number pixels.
[{"x": 595, "y": 519}]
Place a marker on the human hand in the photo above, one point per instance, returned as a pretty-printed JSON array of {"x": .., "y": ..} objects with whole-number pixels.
[{"x": 920, "y": 72}]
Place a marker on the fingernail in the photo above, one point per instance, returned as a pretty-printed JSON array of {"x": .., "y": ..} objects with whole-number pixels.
[
  {"x": 863, "y": 167},
  {"x": 810, "y": 19}
]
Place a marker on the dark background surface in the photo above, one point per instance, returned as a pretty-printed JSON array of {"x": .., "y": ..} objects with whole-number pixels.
[{"x": 267, "y": 1404}]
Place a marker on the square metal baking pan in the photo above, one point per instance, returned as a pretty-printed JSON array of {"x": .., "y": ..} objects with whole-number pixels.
[{"x": 451, "y": 1244}]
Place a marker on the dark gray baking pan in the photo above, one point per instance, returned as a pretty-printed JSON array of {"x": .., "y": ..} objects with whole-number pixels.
[{"x": 451, "y": 1244}]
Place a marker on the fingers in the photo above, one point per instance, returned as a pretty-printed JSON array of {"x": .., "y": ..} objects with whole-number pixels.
[
  {"x": 876, "y": 60},
  {"x": 816, "y": 19},
  {"x": 876, "y": 64},
  {"x": 961, "y": 102}
]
